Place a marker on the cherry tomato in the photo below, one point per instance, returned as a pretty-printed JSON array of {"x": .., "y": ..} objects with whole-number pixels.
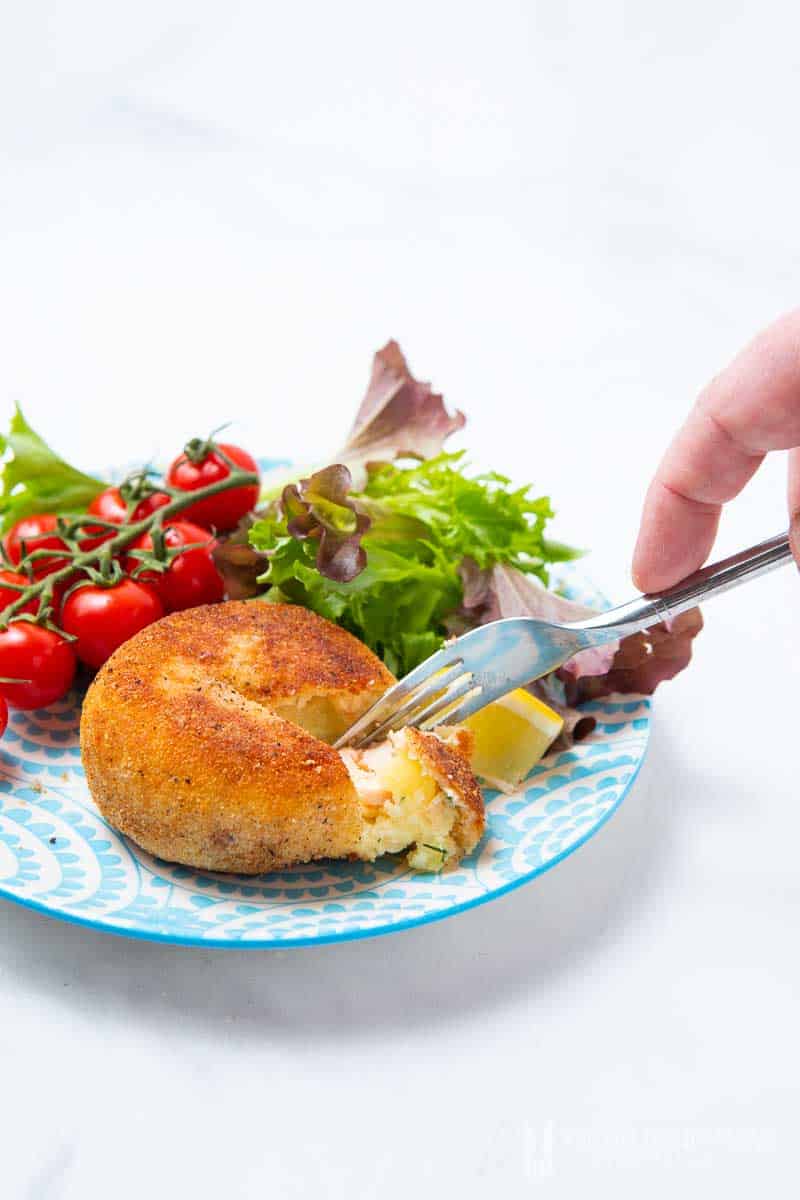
[
  {"x": 102, "y": 618},
  {"x": 110, "y": 506},
  {"x": 192, "y": 577},
  {"x": 9, "y": 594},
  {"x": 40, "y": 659},
  {"x": 225, "y": 510},
  {"x": 3, "y": 715},
  {"x": 37, "y": 534}
]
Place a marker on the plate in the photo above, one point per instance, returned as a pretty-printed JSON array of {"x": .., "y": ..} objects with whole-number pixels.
[{"x": 58, "y": 855}]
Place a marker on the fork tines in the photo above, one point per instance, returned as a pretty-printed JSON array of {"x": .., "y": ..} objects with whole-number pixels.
[{"x": 423, "y": 699}]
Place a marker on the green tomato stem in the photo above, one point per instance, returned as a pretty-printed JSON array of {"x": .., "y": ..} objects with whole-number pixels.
[{"x": 42, "y": 589}]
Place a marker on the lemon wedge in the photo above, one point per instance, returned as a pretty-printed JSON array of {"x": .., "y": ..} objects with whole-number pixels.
[{"x": 511, "y": 735}]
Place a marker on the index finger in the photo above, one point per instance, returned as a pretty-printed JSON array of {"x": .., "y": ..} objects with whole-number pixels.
[{"x": 751, "y": 408}]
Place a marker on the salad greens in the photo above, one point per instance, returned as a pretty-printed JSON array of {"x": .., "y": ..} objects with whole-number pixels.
[
  {"x": 35, "y": 480},
  {"x": 406, "y": 554},
  {"x": 385, "y": 562}
]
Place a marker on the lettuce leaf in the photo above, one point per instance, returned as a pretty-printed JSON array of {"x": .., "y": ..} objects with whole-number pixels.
[
  {"x": 35, "y": 480},
  {"x": 480, "y": 516},
  {"x": 238, "y": 563},
  {"x": 413, "y": 526},
  {"x": 399, "y": 417},
  {"x": 319, "y": 508}
]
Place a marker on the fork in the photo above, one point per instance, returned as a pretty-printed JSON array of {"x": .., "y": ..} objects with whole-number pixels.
[{"x": 494, "y": 659}]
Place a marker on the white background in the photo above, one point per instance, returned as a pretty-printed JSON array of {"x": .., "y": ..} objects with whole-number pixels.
[{"x": 570, "y": 215}]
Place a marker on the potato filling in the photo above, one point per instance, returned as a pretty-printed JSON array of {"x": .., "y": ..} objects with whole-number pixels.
[
  {"x": 403, "y": 807},
  {"x": 324, "y": 717}
]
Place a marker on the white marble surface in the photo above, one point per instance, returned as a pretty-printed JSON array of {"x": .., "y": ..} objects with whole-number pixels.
[{"x": 570, "y": 216}]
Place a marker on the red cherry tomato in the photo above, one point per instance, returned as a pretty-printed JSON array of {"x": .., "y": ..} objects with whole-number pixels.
[
  {"x": 9, "y": 594},
  {"x": 36, "y": 533},
  {"x": 225, "y": 510},
  {"x": 110, "y": 506},
  {"x": 191, "y": 578},
  {"x": 42, "y": 661},
  {"x": 3, "y": 715},
  {"x": 102, "y": 618}
]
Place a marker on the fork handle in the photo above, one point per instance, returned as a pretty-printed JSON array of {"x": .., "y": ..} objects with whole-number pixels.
[{"x": 648, "y": 610}]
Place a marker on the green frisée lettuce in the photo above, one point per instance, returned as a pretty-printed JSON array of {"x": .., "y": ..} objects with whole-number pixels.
[
  {"x": 384, "y": 562},
  {"x": 476, "y": 516},
  {"x": 35, "y": 480}
]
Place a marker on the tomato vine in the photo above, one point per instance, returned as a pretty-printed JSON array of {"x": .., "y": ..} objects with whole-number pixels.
[{"x": 98, "y": 563}]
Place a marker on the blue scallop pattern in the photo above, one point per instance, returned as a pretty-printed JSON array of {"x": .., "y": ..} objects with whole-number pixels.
[{"x": 57, "y": 854}]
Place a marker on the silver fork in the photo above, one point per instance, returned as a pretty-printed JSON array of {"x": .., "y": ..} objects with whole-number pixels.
[{"x": 488, "y": 662}]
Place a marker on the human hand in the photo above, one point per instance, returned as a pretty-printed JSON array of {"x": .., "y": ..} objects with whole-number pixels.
[{"x": 751, "y": 408}]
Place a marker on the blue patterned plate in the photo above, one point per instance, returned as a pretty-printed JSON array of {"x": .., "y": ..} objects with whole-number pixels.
[{"x": 59, "y": 856}]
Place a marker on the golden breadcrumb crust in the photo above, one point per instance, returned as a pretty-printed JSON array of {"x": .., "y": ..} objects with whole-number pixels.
[
  {"x": 182, "y": 754},
  {"x": 448, "y": 763}
]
